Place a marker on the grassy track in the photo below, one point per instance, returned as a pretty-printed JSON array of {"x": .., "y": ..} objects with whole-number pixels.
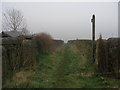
[{"x": 67, "y": 67}]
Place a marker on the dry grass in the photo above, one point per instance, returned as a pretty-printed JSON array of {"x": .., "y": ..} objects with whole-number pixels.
[{"x": 18, "y": 78}]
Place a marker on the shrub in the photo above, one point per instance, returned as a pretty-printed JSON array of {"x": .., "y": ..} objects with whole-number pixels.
[
  {"x": 17, "y": 54},
  {"x": 13, "y": 52},
  {"x": 58, "y": 42},
  {"x": 11, "y": 56},
  {"x": 114, "y": 56},
  {"x": 28, "y": 54},
  {"x": 44, "y": 42},
  {"x": 101, "y": 55}
]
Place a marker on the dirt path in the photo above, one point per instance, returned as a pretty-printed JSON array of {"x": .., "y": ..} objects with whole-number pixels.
[
  {"x": 63, "y": 68},
  {"x": 72, "y": 71},
  {"x": 76, "y": 71}
]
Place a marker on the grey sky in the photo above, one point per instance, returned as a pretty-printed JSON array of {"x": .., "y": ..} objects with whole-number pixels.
[
  {"x": 69, "y": 20},
  {"x": 119, "y": 19}
]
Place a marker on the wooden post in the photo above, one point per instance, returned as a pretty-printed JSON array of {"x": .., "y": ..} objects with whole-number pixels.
[{"x": 93, "y": 37}]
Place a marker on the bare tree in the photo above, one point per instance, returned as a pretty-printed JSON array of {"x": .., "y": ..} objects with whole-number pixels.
[
  {"x": 25, "y": 31},
  {"x": 13, "y": 20}
]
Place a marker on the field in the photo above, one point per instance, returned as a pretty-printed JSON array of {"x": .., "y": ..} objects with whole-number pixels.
[
  {"x": 69, "y": 66},
  {"x": 67, "y": 44}
]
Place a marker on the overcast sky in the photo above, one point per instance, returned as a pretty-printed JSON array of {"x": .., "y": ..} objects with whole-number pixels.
[{"x": 69, "y": 20}]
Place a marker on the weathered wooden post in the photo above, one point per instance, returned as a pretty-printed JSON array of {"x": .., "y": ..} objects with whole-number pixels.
[{"x": 93, "y": 37}]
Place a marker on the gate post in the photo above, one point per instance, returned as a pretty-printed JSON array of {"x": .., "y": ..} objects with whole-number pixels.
[{"x": 93, "y": 37}]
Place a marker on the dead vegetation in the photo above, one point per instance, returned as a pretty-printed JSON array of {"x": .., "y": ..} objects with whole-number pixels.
[
  {"x": 44, "y": 42},
  {"x": 21, "y": 52},
  {"x": 102, "y": 56},
  {"x": 108, "y": 57}
]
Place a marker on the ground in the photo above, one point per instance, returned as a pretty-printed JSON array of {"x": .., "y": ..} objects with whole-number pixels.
[{"x": 67, "y": 67}]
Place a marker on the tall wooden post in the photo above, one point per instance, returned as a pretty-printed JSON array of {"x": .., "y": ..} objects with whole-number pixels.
[{"x": 93, "y": 37}]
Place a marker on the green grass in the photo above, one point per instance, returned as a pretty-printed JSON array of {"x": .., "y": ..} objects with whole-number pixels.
[{"x": 68, "y": 67}]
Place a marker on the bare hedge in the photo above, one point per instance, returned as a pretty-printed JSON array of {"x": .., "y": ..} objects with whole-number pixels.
[
  {"x": 17, "y": 54},
  {"x": 108, "y": 56},
  {"x": 44, "y": 43},
  {"x": 21, "y": 52}
]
